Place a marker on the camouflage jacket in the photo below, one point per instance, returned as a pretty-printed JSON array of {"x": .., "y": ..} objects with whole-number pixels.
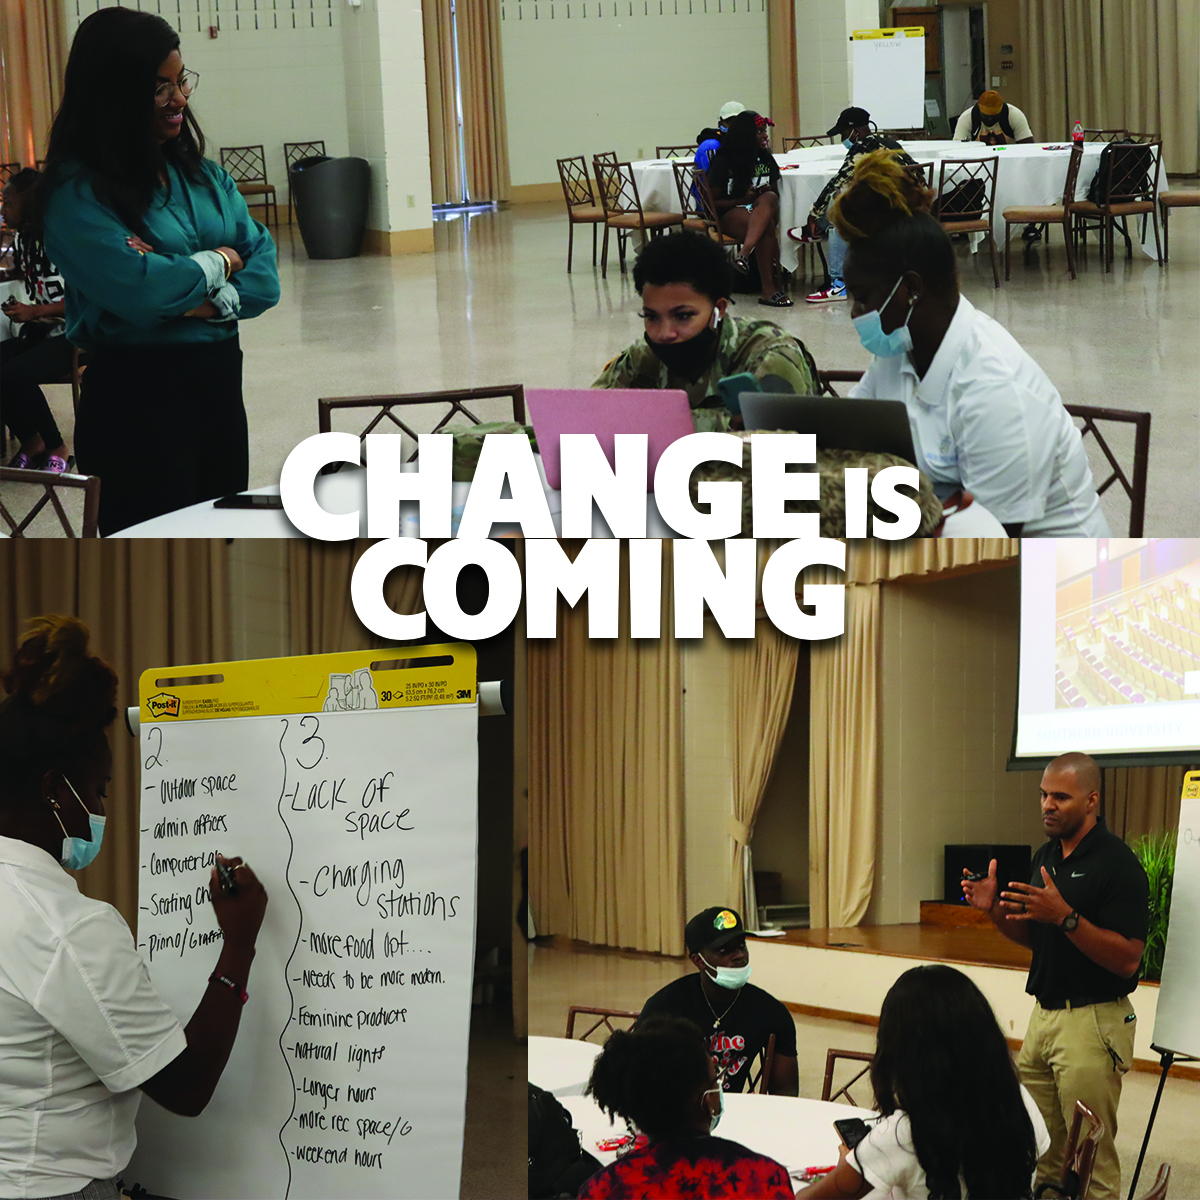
[
  {"x": 873, "y": 141},
  {"x": 752, "y": 346}
]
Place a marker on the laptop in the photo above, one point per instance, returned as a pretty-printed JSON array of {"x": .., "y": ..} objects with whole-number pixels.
[
  {"x": 838, "y": 423},
  {"x": 663, "y": 416}
]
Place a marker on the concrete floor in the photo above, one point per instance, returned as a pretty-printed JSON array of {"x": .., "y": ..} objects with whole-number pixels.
[
  {"x": 493, "y": 305},
  {"x": 560, "y": 977}
]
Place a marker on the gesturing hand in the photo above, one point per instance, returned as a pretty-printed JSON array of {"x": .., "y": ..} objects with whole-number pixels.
[
  {"x": 981, "y": 893},
  {"x": 1025, "y": 902}
]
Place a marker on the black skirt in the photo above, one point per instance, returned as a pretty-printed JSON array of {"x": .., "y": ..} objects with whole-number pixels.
[{"x": 163, "y": 427}]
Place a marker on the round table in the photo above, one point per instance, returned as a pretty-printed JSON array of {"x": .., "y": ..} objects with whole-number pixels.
[
  {"x": 1027, "y": 175},
  {"x": 562, "y": 1066},
  {"x": 796, "y": 1132}
]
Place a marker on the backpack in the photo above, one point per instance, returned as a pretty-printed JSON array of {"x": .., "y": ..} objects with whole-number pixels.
[
  {"x": 1134, "y": 177},
  {"x": 1001, "y": 119},
  {"x": 558, "y": 1164}
]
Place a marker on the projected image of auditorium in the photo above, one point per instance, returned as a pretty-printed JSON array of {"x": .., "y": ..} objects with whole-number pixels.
[{"x": 1127, "y": 621}]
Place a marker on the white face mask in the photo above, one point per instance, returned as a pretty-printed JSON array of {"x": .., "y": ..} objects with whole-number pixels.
[{"x": 728, "y": 977}]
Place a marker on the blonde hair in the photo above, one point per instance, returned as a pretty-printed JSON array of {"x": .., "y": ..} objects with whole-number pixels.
[{"x": 882, "y": 191}]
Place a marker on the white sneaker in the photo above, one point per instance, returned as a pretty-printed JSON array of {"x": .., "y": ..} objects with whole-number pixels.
[{"x": 837, "y": 291}]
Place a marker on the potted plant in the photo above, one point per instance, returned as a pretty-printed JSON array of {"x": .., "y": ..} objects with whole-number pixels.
[{"x": 1156, "y": 853}]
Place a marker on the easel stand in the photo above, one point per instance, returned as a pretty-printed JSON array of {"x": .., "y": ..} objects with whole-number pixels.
[{"x": 1167, "y": 1058}]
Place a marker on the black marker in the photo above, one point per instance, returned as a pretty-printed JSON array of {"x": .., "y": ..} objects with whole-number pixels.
[{"x": 226, "y": 879}]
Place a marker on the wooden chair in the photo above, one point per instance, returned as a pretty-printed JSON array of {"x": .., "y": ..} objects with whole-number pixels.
[
  {"x": 582, "y": 208},
  {"x": 675, "y": 151},
  {"x": 51, "y": 484},
  {"x": 1047, "y": 215},
  {"x": 1131, "y": 189},
  {"x": 605, "y": 1017},
  {"x": 1102, "y": 135},
  {"x": 804, "y": 143},
  {"x": 1168, "y": 201},
  {"x": 248, "y": 166},
  {"x": 760, "y": 1080},
  {"x": 1134, "y": 481},
  {"x": 976, "y": 179},
  {"x": 905, "y": 135},
  {"x": 826, "y": 380},
  {"x": 7, "y": 171},
  {"x": 1079, "y": 1158},
  {"x": 293, "y": 152},
  {"x": 455, "y": 402},
  {"x": 695, "y": 200},
  {"x": 623, "y": 209},
  {"x": 1159, "y": 1190},
  {"x": 831, "y": 1061}
]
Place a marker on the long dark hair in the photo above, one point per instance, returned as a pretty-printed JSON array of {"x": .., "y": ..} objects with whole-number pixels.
[
  {"x": 104, "y": 124},
  {"x": 939, "y": 1036},
  {"x": 649, "y": 1075},
  {"x": 742, "y": 151}
]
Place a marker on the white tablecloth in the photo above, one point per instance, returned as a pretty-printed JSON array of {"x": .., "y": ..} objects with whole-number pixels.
[
  {"x": 562, "y": 1066},
  {"x": 1026, "y": 175},
  {"x": 795, "y": 1132}
]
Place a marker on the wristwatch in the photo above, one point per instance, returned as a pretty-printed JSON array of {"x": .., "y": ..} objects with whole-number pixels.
[{"x": 1070, "y": 923}]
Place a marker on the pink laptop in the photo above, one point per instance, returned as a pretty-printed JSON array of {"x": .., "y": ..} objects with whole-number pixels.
[{"x": 663, "y": 416}]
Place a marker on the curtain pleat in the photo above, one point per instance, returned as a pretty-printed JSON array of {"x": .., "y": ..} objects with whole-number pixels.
[
  {"x": 33, "y": 54},
  {"x": 1140, "y": 800}
]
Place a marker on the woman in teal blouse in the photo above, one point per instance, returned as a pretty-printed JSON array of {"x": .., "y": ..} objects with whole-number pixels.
[{"x": 160, "y": 258}]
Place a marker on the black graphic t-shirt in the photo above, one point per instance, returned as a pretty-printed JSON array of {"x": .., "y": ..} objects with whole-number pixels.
[{"x": 744, "y": 1030}]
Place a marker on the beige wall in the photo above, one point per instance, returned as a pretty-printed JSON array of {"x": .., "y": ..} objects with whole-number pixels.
[
  {"x": 823, "y": 29},
  {"x": 949, "y": 688}
]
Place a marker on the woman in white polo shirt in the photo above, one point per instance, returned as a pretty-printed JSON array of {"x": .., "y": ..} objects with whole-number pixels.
[
  {"x": 82, "y": 1031},
  {"x": 984, "y": 416}
]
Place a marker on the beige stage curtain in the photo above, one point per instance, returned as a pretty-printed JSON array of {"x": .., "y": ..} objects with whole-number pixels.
[
  {"x": 1140, "y": 800},
  {"x": 782, "y": 67},
  {"x": 762, "y": 677},
  {"x": 606, "y": 786},
  {"x": 1116, "y": 64},
  {"x": 485, "y": 124},
  {"x": 843, "y": 778},
  {"x": 148, "y": 603},
  {"x": 33, "y": 52}
]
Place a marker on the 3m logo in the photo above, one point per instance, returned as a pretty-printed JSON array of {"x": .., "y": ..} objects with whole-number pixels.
[{"x": 163, "y": 705}]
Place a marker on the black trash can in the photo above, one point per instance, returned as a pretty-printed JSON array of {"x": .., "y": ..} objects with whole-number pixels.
[{"x": 330, "y": 196}]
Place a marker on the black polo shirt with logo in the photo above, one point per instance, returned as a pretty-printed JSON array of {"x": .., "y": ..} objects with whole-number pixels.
[{"x": 1103, "y": 880}]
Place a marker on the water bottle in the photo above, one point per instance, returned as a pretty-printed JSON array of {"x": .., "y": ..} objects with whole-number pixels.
[{"x": 1077, "y": 133}]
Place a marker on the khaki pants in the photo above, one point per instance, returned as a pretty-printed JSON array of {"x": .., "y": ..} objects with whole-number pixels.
[{"x": 1079, "y": 1054}]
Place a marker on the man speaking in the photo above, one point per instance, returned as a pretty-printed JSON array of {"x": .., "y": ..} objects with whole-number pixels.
[{"x": 1085, "y": 916}]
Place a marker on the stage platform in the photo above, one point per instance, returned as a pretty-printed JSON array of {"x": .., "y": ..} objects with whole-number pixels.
[{"x": 845, "y": 973}]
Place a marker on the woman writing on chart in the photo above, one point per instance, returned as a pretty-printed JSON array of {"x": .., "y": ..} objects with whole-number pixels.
[
  {"x": 160, "y": 259},
  {"x": 81, "y": 1024},
  {"x": 984, "y": 416}
]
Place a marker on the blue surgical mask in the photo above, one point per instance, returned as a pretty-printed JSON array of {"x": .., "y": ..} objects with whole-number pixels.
[
  {"x": 714, "y": 1118},
  {"x": 847, "y": 143},
  {"x": 729, "y": 977},
  {"x": 874, "y": 340},
  {"x": 77, "y": 853}
]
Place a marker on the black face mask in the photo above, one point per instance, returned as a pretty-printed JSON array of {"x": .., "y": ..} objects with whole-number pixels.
[{"x": 687, "y": 358}]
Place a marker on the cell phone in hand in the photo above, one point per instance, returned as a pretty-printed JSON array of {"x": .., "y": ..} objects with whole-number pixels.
[{"x": 852, "y": 1130}]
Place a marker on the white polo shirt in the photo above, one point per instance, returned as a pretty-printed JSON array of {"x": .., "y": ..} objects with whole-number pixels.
[
  {"x": 986, "y": 418},
  {"x": 81, "y": 1027}
]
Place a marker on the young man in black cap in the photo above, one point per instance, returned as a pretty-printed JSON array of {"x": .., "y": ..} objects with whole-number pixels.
[
  {"x": 737, "y": 1017},
  {"x": 853, "y": 126}
]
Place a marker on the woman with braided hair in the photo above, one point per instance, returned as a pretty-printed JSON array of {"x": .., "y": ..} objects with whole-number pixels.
[
  {"x": 985, "y": 418},
  {"x": 39, "y": 353},
  {"x": 659, "y": 1076},
  {"x": 83, "y": 1030}
]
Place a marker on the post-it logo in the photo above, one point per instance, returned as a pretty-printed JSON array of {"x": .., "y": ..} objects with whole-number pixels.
[{"x": 163, "y": 705}]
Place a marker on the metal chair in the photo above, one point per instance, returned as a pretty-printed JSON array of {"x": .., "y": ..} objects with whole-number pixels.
[
  {"x": 831, "y": 1061},
  {"x": 623, "y": 209},
  {"x": 804, "y": 143},
  {"x": 760, "y": 1080},
  {"x": 248, "y": 167},
  {"x": 1047, "y": 215},
  {"x": 293, "y": 152},
  {"x": 605, "y": 1018},
  {"x": 51, "y": 484},
  {"x": 966, "y": 197},
  {"x": 826, "y": 380},
  {"x": 1103, "y": 135},
  {"x": 1079, "y": 1158},
  {"x": 905, "y": 135},
  {"x": 455, "y": 402},
  {"x": 675, "y": 151},
  {"x": 1159, "y": 1190},
  {"x": 1129, "y": 189},
  {"x": 1168, "y": 201},
  {"x": 695, "y": 201},
  {"x": 582, "y": 208},
  {"x": 1134, "y": 482},
  {"x": 7, "y": 171}
]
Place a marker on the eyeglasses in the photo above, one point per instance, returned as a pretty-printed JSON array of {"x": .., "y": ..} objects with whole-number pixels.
[{"x": 188, "y": 82}]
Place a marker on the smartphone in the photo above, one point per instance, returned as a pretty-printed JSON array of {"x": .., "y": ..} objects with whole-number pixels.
[
  {"x": 248, "y": 500},
  {"x": 852, "y": 1131}
]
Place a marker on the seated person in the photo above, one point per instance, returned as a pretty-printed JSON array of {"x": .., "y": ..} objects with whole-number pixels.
[
  {"x": 39, "y": 353},
  {"x": 853, "y": 126},
  {"x": 708, "y": 141},
  {"x": 992, "y": 120},
  {"x": 738, "y": 1017},
  {"x": 984, "y": 416},
  {"x": 692, "y": 342},
  {"x": 936, "y": 1029},
  {"x": 659, "y": 1078},
  {"x": 743, "y": 177}
]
